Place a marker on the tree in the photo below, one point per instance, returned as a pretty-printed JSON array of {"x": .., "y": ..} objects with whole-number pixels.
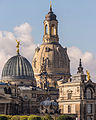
[
  {"x": 3, "y": 117},
  {"x": 47, "y": 117},
  {"x": 65, "y": 117},
  {"x": 34, "y": 117}
]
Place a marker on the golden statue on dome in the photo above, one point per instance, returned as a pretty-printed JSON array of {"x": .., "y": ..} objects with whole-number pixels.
[
  {"x": 88, "y": 75},
  {"x": 50, "y": 4},
  {"x": 18, "y": 46}
]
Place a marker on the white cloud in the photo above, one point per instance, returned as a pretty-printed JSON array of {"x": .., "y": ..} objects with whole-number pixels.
[
  {"x": 24, "y": 33},
  {"x": 88, "y": 61},
  {"x": 8, "y": 43}
]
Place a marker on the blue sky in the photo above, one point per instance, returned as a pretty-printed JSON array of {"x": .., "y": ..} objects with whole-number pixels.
[
  {"x": 23, "y": 20},
  {"x": 77, "y": 20}
]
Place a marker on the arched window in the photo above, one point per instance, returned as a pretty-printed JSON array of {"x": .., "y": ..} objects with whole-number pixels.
[
  {"x": 46, "y": 29},
  {"x": 69, "y": 96},
  {"x": 51, "y": 107},
  {"x": 53, "y": 30},
  {"x": 69, "y": 109},
  {"x": 9, "y": 90},
  {"x": 42, "y": 107},
  {"x": 47, "y": 62},
  {"x": 46, "y": 111},
  {"x": 5, "y": 90},
  {"x": 89, "y": 93},
  {"x": 61, "y": 91}
]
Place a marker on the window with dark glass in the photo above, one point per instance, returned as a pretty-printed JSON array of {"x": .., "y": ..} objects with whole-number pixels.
[
  {"x": 69, "y": 109},
  {"x": 69, "y": 95},
  {"x": 46, "y": 29},
  {"x": 51, "y": 107},
  {"x": 89, "y": 108},
  {"x": 89, "y": 93},
  {"x": 42, "y": 107}
]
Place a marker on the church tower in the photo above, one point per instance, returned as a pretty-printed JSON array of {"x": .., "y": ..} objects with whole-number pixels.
[
  {"x": 50, "y": 62},
  {"x": 50, "y": 28}
]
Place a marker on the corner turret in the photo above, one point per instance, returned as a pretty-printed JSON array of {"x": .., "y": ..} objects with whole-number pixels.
[{"x": 80, "y": 68}]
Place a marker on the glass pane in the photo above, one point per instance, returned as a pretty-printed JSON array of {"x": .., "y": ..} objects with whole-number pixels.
[
  {"x": 89, "y": 108},
  {"x": 88, "y": 93}
]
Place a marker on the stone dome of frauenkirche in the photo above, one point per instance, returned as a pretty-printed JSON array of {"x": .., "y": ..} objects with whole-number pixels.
[
  {"x": 54, "y": 56},
  {"x": 51, "y": 56}
]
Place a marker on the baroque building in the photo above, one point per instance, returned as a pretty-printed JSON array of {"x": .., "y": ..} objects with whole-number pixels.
[
  {"x": 18, "y": 70},
  {"x": 18, "y": 91},
  {"x": 50, "y": 59},
  {"x": 26, "y": 89},
  {"x": 78, "y": 96}
]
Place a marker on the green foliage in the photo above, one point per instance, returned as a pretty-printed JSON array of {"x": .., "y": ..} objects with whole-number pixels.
[
  {"x": 23, "y": 117},
  {"x": 15, "y": 117},
  {"x": 34, "y": 117},
  {"x": 47, "y": 117},
  {"x": 9, "y": 117},
  {"x": 3, "y": 117},
  {"x": 64, "y": 117}
]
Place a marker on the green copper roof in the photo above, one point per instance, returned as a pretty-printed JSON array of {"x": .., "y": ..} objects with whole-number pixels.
[{"x": 17, "y": 67}]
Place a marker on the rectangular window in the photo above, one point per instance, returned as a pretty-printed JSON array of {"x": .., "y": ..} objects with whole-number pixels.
[
  {"x": 33, "y": 95},
  {"x": 69, "y": 96},
  {"x": 69, "y": 109}
]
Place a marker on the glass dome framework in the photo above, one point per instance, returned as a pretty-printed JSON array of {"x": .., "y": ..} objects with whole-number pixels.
[{"x": 17, "y": 68}]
